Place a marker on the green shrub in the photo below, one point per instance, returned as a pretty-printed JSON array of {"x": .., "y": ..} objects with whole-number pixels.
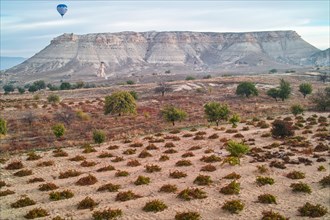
[
  {"x": 313, "y": 211},
  {"x": 296, "y": 175},
  {"x": 87, "y": 203},
  {"x": 69, "y": 173},
  {"x": 121, "y": 102},
  {"x": 36, "y": 213},
  {"x": 301, "y": 187},
  {"x": 142, "y": 180},
  {"x": 127, "y": 195},
  {"x": 121, "y": 173},
  {"x": 22, "y": 202},
  {"x": 270, "y": 215},
  {"x": 187, "y": 216},
  {"x": 53, "y": 98},
  {"x": 82, "y": 115},
  {"x": 233, "y": 206},
  {"x": 99, "y": 136},
  {"x": 66, "y": 194},
  {"x": 88, "y": 180},
  {"x": 247, "y": 88},
  {"x": 22, "y": 173},
  {"x": 154, "y": 206},
  {"x": 192, "y": 193},
  {"x": 109, "y": 187},
  {"x": 173, "y": 114},
  {"x": 107, "y": 214},
  {"x": 237, "y": 149},
  {"x": 234, "y": 120},
  {"x": 261, "y": 181},
  {"x": 203, "y": 180},
  {"x": 231, "y": 189},
  {"x": 177, "y": 174},
  {"x": 153, "y": 168},
  {"x": 233, "y": 161},
  {"x": 297, "y": 109},
  {"x": 267, "y": 199},
  {"x": 232, "y": 175},
  {"x": 325, "y": 181},
  {"x": 47, "y": 187},
  {"x": 58, "y": 130},
  {"x": 321, "y": 168},
  {"x": 168, "y": 188}
]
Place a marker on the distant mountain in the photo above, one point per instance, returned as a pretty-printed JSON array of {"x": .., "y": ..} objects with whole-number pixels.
[
  {"x": 81, "y": 57},
  {"x": 9, "y": 62},
  {"x": 321, "y": 58}
]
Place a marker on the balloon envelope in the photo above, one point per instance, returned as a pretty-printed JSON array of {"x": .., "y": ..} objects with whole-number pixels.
[{"x": 62, "y": 9}]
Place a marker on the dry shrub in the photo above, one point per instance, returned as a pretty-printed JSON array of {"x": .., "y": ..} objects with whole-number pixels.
[
  {"x": 86, "y": 181},
  {"x": 46, "y": 163},
  {"x": 105, "y": 168},
  {"x": 23, "y": 202},
  {"x": 87, "y": 203},
  {"x": 15, "y": 165},
  {"x": 208, "y": 168},
  {"x": 191, "y": 193},
  {"x": 168, "y": 188},
  {"x": 177, "y": 174},
  {"x": 109, "y": 187},
  {"x": 133, "y": 163},
  {"x": 77, "y": 158},
  {"x": 22, "y": 173},
  {"x": 47, "y": 187},
  {"x": 36, "y": 213},
  {"x": 69, "y": 173},
  {"x": 127, "y": 195},
  {"x": 152, "y": 168}
]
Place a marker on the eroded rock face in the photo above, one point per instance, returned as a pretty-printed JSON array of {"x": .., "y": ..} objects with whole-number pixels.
[
  {"x": 321, "y": 58},
  {"x": 128, "y": 52}
]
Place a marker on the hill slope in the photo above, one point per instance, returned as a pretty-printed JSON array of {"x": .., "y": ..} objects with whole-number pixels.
[{"x": 71, "y": 56}]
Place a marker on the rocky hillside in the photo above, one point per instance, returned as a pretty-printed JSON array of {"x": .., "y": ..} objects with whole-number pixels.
[
  {"x": 321, "y": 58},
  {"x": 71, "y": 56}
]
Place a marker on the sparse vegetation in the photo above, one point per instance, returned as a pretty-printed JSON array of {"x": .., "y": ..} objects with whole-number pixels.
[
  {"x": 107, "y": 214},
  {"x": 313, "y": 211},
  {"x": 36, "y": 213},
  {"x": 301, "y": 187},
  {"x": 233, "y": 206},
  {"x": 109, "y": 187},
  {"x": 192, "y": 193},
  {"x": 127, "y": 195},
  {"x": 271, "y": 215},
  {"x": 231, "y": 189},
  {"x": 65, "y": 194},
  {"x": 168, "y": 188},
  {"x": 203, "y": 180},
  {"x": 142, "y": 180},
  {"x": 267, "y": 199},
  {"x": 296, "y": 175},
  {"x": 261, "y": 181},
  {"x": 87, "y": 203},
  {"x": 154, "y": 206},
  {"x": 22, "y": 202}
]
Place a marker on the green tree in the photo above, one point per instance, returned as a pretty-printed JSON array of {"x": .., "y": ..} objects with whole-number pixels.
[
  {"x": 21, "y": 90},
  {"x": 237, "y": 149},
  {"x": 234, "y": 120},
  {"x": 274, "y": 93},
  {"x": 190, "y": 78},
  {"x": 173, "y": 114},
  {"x": 32, "y": 88},
  {"x": 53, "y": 98},
  {"x": 119, "y": 103},
  {"x": 284, "y": 90},
  {"x": 305, "y": 89},
  {"x": 322, "y": 99},
  {"x": 8, "y": 88},
  {"x": 130, "y": 82},
  {"x": 58, "y": 130},
  {"x": 297, "y": 109},
  {"x": 134, "y": 94},
  {"x": 40, "y": 84},
  {"x": 65, "y": 86},
  {"x": 3, "y": 127},
  {"x": 215, "y": 112},
  {"x": 98, "y": 136},
  {"x": 247, "y": 88},
  {"x": 273, "y": 71}
]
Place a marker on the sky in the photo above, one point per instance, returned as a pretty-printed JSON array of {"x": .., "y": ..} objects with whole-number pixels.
[{"x": 28, "y": 26}]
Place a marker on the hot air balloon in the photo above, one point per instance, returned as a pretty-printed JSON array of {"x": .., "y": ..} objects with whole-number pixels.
[{"x": 62, "y": 9}]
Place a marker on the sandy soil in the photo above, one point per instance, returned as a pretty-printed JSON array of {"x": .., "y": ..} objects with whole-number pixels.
[{"x": 209, "y": 208}]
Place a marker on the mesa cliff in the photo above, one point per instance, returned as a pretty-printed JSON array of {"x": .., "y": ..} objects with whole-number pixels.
[{"x": 78, "y": 56}]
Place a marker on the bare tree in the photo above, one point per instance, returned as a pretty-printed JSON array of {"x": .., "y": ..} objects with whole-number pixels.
[
  {"x": 66, "y": 116},
  {"x": 324, "y": 77},
  {"x": 29, "y": 118},
  {"x": 163, "y": 87}
]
